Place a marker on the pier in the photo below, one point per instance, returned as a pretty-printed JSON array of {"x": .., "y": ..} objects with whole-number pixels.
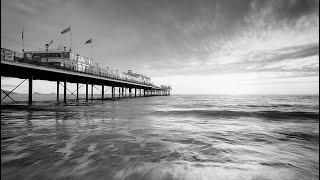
[{"x": 14, "y": 64}]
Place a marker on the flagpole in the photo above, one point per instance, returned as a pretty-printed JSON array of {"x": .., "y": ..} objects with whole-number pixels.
[
  {"x": 22, "y": 39},
  {"x": 71, "y": 39},
  {"x": 91, "y": 50}
]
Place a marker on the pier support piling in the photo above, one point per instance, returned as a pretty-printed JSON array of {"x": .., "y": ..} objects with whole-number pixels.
[
  {"x": 65, "y": 91},
  {"x": 30, "y": 90},
  {"x": 77, "y": 91},
  {"x": 112, "y": 92},
  {"x": 102, "y": 92},
  {"x": 91, "y": 91},
  {"x": 58, "y": 90},
  {"x": 87, "y": 91}
]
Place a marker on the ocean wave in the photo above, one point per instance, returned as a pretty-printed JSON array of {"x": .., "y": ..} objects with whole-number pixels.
[
  {"x": 308, "y": 137},
  {"x": 202, "y": 172},
  {"x": 257, "y": 114}
]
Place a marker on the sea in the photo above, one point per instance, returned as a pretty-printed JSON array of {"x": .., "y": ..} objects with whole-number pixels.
[{"x": 177, "y": 137}]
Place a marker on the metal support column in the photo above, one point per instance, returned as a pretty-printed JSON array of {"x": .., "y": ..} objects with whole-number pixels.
[
  {"x": 87, "y": 91},
  {"x": 77, "y": 91},
  {"x": 91, "y": 91},
  {"x": 65, "y": 91},
  {"x": 144, "y": 92},
  {"x": 30, "y": 90},
  {"x": 112, "y": 92},
  {"x": 58, "y": 90},
  {"x": 102, "y": 92},
  {"x": 122, "y": 92},
  {"x": 135, "y": 92},
  {"x": 119, "y": 92},
  {"x": 129, "y": 92}
]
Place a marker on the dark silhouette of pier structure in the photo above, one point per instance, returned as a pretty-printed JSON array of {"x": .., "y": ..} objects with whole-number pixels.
[{"x": 30, "y": 70}]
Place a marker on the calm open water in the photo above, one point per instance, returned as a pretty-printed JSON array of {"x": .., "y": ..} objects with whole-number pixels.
[{"x": 179, "y": 137}]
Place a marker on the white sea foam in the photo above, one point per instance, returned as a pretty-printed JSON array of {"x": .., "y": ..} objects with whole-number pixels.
[
  {"x": 188, "y": 172},
  {"x": 11, "y": 157},
  {"x": 67, "y": 150}
]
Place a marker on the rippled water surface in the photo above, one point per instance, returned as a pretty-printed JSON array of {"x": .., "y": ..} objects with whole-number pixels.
[{"x": 170, "y": 137}]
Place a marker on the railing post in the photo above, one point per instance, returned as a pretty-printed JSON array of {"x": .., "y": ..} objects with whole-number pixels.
[{"x": 30, "y": 90}]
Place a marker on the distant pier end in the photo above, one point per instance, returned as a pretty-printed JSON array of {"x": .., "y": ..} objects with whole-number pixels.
[{"x": 63, "y": 66}]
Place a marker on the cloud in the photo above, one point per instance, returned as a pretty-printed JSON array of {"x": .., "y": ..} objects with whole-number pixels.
[
  {"x": 299, "y": 60},
  {"x": 269, "y": 33},
  {"x": 32, "y": 8},
  {"x": 176, "y": 37},
  {"x": 299, "y": 63}
]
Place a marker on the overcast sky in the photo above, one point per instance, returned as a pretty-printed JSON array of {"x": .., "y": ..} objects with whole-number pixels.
[{"x": 202, "y": 47}]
